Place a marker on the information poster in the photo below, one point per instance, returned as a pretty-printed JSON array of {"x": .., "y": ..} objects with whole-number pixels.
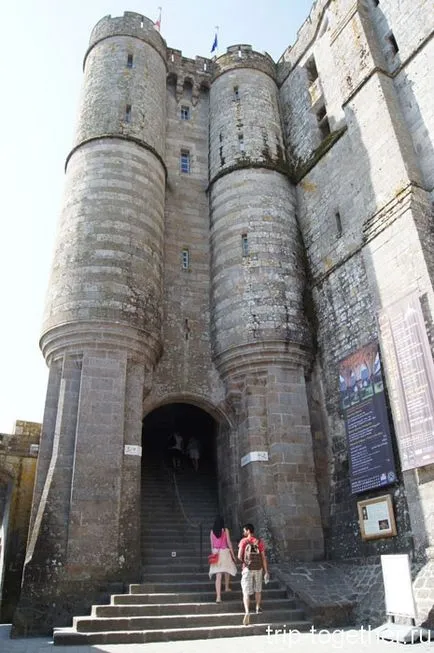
[
  {"x": 376, "y": 518},
  {"x": 366, "y": 422},
  {"x": 410, "y": 380}
]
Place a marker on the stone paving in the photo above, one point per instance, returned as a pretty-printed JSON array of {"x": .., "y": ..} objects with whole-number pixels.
[{"x": 358, "y": 641}]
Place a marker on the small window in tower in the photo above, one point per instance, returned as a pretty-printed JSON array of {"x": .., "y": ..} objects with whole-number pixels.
[
  {"x": 221, "y": 137},
  {"x": 241, "y": 143},
  {"x": 185, "y": 161},
  {"x": 392, "y": 43},
  {"x": 323, "y": 122},
  {"x": 185, "y": 259},
  {"x": 204, "y": 66},
  {"x": 185, "y": 113},
  {"x": 130, "y": 61},
  {"x": 245, "y": 245},
  {"x": 236, "y": 93},
  {"x": 338, "y": 224},
  {"x": 128, "y": 113},
  {"x": 312, "y": 72},
  {"x": 142, "y": 21},
  {"x": 240, "y": 54}
]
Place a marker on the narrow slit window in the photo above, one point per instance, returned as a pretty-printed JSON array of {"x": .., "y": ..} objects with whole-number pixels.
[
  {"x": 185, "y": 161},
  {"x": 245, "y": 245},
  {"x": 204, "y": 66},
  {"x": 338, "y": 224},
  {"x": 236, "y": 93},
  {"x": 172, "y": 58},
  {"x": 128, "y": 113},
  {"x": 311, "y": 69},
  {"x": 130, "y": 61},
  {"x": 240, "y": 54},
  {"x": 392, "y": 43},
  {"x": 241, "y": 146},
  {"x": 142, "y": 21},
  {"x": 185, "y": 259},
  {"x": 185, "y": 113}
]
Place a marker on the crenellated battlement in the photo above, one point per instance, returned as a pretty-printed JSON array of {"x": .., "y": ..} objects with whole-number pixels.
[
  {"x": 243, "y": 56},
  {"x": 130, "y": 24}
]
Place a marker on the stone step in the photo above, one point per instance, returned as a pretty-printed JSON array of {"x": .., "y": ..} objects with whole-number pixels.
[
  {"x": 186, "y": 621},
  {"x": 69, "y": 636},
  {"x": 152, "y": 598},
  {"x": 181, "y": 586},
  {"x": 148, "y": 610}
]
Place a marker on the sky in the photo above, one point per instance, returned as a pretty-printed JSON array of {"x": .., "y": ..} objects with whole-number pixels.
[{"x": 41, "y": 53}]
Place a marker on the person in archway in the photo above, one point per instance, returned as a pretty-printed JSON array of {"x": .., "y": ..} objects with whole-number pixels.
[
  {"x": 251, "y": 552},
  {"x": 221, "y": 544},
  {"x": 176, "y": 449},
  {"x": 193, "y": 450}
]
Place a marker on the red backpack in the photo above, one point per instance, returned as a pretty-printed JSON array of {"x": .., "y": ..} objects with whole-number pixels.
[{"x": 252, "y": 555}]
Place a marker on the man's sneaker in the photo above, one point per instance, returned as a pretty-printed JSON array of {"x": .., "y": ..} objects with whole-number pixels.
[{"x": 246, "y": 619}]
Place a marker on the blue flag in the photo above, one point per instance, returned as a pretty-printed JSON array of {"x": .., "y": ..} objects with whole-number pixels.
[{"x": 214, "y": 45}]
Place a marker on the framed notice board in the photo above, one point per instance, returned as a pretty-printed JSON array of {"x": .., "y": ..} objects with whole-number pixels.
[{"x": 376, "y": 518}]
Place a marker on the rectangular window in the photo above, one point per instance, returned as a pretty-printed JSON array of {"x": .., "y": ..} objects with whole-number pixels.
[
  {"x": 245, "y": 245},
  {"x": 312, "y": 72},
  {"x": 323, "y": 122},
  {"x": 236, "y": 93},
  {"x": 128, "y": 113},
  {"x": 130, "y": 61},
  {"x": 241, "y": 143},
  {"x": 185, "y": 161},
  {"x": 185, "y": 113},
  {"x": 185, "y": 259}
]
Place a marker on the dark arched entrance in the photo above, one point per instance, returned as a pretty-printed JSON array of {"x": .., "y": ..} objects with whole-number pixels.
[
  {"x": 179, "y": 503},
  {"x": 187, "y": 420}
]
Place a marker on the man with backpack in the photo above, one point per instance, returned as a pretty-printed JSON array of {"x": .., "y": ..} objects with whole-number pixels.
[{"x": 251, "y": 552}]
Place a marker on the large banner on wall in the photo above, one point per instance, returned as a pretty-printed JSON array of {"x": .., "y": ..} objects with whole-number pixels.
[
  {"x": 410, "y": 380},
  {"x": 366, "y": 423}
]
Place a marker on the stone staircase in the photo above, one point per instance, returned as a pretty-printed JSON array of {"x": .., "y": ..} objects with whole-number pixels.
[{"x": 176, "y": 598}]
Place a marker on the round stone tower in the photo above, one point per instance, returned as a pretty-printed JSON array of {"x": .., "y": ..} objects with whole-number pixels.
[
  {"x": 101, "y": 331},
  {"x": 260, "y": 336}
]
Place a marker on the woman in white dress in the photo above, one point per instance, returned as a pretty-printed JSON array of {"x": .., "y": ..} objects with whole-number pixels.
[{"x": 221, "y": 544}]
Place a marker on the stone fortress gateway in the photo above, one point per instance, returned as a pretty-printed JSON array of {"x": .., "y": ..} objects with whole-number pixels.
[{"x": 231, "y": 230}]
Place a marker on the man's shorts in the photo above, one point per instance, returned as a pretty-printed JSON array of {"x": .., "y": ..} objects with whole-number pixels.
[{"x": 251, "y": 581}]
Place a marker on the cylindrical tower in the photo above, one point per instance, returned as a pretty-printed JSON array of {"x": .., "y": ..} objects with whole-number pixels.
[
  {"x": 260, "y": 336},
  {"x": 107, "y": 266},
  {"x": 101, "y": 330}
]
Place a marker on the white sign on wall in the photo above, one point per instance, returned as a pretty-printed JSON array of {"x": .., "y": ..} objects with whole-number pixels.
[
  {"x": 253, "y": 456},
  {"x": 398, "y": 587},
  {"x": 132, "y": 450}
]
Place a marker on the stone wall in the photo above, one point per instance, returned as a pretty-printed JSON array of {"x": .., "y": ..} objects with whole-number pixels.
[{"x": 18, "y": 458}]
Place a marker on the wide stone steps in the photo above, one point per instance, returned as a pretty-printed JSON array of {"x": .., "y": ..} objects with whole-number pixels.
[
  {"x": 159, "y": 609},
  {"x": 258, "y": 626},
  {"x": 151, "y": 598},
  {"x": 174, "y": 598},
  {"x": 161, "y": 622}
]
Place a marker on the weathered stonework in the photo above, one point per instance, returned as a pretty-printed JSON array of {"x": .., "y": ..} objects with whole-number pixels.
[{"x": 231, "y": 230}]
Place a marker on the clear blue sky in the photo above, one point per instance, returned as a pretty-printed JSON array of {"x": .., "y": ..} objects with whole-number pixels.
[{"x": 41, "y": 53}]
